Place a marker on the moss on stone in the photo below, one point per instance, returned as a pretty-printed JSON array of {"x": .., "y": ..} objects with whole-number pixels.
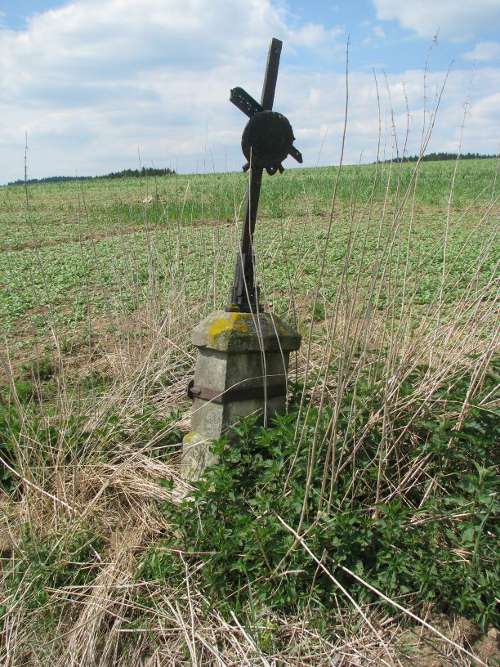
[{"x": 228, "y": 323}]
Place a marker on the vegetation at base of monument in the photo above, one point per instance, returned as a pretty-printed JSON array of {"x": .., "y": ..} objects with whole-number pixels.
[
  {"x": 428, "y": 541},
  {"x": 418, "y": 543}
]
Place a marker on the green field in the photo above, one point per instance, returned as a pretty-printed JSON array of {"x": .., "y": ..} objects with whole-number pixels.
[
  {"x": 81, "y": 250},
  {"x": 386, "y": 463}
]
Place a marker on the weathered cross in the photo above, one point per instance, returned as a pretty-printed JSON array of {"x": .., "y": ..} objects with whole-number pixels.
[{"x": 267, "y": 140}]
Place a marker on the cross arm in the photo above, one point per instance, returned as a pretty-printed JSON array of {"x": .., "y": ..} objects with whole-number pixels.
[
  {"x": 296, "y": 154},
  {"x": 245, "y": 102}
]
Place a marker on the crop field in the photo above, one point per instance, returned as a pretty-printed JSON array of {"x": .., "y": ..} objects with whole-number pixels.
[
  {"x": 387, "y": 460},
  {"x": 81, "y": 251}
]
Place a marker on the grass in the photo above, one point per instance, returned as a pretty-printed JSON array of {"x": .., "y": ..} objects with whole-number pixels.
[
  {"x": 357, "y": 527},
  {"x": 57, "y": 272}
]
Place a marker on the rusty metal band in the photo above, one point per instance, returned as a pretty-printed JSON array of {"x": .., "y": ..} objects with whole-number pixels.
[{"x": 236, "y": 393}]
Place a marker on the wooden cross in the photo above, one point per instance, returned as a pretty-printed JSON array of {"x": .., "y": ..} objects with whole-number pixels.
[{"x": 267, "y": 140}]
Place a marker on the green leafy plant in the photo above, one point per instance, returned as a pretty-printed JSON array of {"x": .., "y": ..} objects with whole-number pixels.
[{"x": 439, "y": 548}]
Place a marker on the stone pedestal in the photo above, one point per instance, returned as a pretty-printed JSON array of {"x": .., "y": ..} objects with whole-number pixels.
[{"x": 241, "y": 369}]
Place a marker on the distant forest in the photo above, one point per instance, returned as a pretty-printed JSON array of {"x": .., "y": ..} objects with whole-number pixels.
[
  {"x": 432, "y": 157},
  {"x": 128, "y": 173},
  {"x": 138, "y": 173}
]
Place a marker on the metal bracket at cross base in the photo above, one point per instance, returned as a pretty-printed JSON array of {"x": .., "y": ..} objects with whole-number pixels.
[{"x": 267, "y": 140}]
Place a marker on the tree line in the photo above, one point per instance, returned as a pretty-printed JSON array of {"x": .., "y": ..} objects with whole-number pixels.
[
  {"x": 125, "y": 173},
  {"x": 431, "y": 157}
]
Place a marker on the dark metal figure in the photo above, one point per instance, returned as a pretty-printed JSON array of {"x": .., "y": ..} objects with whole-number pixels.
[{"x": 267, "y": 140}]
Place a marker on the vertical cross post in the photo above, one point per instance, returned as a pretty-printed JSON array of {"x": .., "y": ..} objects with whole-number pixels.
[{"x": 245, "y": 293}]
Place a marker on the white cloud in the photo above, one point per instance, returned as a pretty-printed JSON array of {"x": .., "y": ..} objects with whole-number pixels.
[
  {"x": 97, "y": 79},
  {"x": 324, "y": 109},
  {"x": 376, "y": 34},
  {"x": 378, "y": 31},
  {"x": 313, "y": 35},
  {"x": 483, "y": 52},
  {"x": 454, "y": 20},
  {"x": 109, "y": 75}
]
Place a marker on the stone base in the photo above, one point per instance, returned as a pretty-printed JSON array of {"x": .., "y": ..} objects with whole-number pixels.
[
  {"x": 196, "y": 456},
  {"x": 241, "y": 370}
]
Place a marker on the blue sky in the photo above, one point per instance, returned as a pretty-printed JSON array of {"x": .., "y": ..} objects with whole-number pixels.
[{"x": 95, "y": 83}]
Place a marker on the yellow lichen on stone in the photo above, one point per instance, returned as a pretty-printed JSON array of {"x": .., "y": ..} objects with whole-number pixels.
[
  {"x": 230, "y": 322},
  {"x": 193, "y": 438}
]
